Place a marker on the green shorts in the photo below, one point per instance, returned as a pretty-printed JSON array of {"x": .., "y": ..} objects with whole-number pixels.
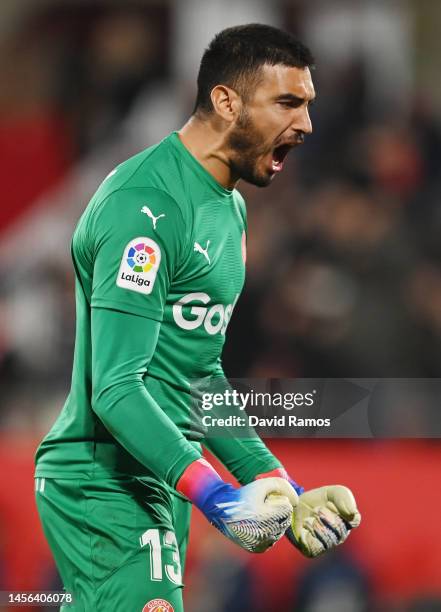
[{"x": 119, "y": 544}]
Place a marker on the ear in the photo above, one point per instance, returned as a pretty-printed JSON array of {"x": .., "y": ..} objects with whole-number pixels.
[{"x": 226, "y": 102}]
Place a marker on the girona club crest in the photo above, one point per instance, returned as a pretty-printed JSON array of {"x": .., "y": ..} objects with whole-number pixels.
[{"x": 158, "y": 605}]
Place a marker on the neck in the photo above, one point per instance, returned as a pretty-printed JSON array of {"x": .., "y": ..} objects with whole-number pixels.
[{"x": 206, "y": 142}]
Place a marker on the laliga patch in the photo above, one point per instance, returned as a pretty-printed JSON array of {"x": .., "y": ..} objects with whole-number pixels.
[
  {"x": 139, "y": 265},
  {"x": 158, "y": 605}
]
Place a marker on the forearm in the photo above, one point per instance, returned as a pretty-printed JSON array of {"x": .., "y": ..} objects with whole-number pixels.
[
  {"x": 242, "y": 451},
  {"x": 122, "y": 347},
  {"x": 245, "y": 458},
  {"x": 136, "y": 421}
]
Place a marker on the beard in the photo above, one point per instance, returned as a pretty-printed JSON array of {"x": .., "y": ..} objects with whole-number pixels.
[{"x": 247, "y": 144}]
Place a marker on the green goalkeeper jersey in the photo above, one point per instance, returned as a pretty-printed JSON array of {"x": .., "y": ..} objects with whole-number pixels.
[{"x": 159, "y": 257}]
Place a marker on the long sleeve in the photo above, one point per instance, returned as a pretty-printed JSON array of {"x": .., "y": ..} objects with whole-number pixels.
[
  {"x": 244, "y": 457},
  {"x": 122, "y": 346},
  {"x": 134, "y": 258}
]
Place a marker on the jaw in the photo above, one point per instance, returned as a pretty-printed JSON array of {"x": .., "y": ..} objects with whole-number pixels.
[{"x": 260, "y": 169}]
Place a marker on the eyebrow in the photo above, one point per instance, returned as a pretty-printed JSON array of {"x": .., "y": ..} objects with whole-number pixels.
[{"x": 289, "y": 97}]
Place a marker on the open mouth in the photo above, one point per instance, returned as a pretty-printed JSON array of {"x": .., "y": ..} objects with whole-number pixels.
[{"x": 279, "y": 154}]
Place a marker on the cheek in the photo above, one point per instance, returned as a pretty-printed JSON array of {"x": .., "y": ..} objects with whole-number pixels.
[
  {"x": 265, "y": 119},
  {"x": 270, "y": 122},
  {"x": 273, "y": 124}
]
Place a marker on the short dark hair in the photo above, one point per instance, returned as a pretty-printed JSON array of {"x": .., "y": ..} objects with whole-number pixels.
[{"x": 236, "y": 55}]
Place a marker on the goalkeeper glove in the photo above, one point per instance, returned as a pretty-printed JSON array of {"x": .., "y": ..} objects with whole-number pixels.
[
  {"x": 323, "y": 518},
  {"x": 246, "y": 515}
]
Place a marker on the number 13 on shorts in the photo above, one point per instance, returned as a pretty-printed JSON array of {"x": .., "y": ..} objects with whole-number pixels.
[{"x": 152, "y": 539}]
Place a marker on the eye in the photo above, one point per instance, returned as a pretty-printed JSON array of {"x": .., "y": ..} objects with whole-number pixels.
[{"x": 288, "y": 104}]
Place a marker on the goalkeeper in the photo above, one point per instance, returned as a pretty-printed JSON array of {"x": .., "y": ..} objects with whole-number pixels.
[{"x": 159, "y": 258}]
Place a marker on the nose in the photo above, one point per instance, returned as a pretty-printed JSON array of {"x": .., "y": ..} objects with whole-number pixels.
[{"x": 303, "y": 122}]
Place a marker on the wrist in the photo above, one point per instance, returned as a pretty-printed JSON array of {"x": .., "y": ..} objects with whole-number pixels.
[
  {"x": 282, "y": 473},
  {"x": 198, "y": 481}
]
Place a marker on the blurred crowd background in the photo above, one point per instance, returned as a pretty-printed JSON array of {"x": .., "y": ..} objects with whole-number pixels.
[{"x": 343, "y": 268}]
